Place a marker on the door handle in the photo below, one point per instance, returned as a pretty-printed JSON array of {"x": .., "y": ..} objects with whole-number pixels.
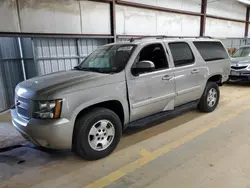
[
  {"x": 167, "y": 78},
  {"x": 195, "y": 71}
]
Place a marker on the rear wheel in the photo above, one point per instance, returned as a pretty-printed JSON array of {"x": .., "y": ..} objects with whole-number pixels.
[
  {"x": 97, "y": 134},
  {"x": 210, "y": 98}
]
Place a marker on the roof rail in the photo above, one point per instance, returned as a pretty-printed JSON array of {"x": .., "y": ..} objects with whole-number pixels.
[
  {"x": 144, "y": 37},
  {"x": 164, "y": 36},
  {"x": 197, "y": 37}
]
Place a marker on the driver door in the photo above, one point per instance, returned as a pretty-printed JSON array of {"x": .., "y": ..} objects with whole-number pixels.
[{"x": 154, "y": 91}]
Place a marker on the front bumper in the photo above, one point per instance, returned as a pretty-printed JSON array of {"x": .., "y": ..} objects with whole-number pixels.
[
  {"x": 54, "y": 134},
  {"x": 239, "y": 74}
]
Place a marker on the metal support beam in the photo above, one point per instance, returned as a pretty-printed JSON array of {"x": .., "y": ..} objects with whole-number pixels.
[
  {"x": 203, "y": 17},
  {"x": 54, "y": 35},
  {"x": 21, "y": 56},
  {"x": 34, "y": 51},
  {"x": 113, "y": 20},
  {"x": 247, "y": 23},
  {"x": 102, "y": 1},
  {"x": 224, "y": 18},
  {"x": 78, "y": 50}
]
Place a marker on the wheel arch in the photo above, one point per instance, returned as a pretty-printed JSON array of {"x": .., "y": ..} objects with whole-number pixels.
[
  {"x": 217, "y": 78},
  {"x": 113, "y": 105}
]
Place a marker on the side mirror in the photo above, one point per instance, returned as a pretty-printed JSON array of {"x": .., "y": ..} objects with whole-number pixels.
[{"x": 143, "y": 67}]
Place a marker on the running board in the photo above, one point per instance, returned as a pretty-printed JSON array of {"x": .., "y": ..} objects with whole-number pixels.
[{"x": 163, "y": 116}]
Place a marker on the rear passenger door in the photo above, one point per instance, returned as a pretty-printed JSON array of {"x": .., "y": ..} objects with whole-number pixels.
[{"x": 186, "y": 71}]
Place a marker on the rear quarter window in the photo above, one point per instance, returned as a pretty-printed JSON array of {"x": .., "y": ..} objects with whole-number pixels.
[{"x": 211, "y": 51}]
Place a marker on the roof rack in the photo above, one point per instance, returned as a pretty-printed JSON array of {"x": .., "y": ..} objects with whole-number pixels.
[
  {"x": 140, "y": 38},
  {"x": 197, "y": 37},
  {"x": 164, "y": 36}
]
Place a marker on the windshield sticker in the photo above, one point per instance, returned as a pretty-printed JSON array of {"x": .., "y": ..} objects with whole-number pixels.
[{"x": 125, "y": 48}]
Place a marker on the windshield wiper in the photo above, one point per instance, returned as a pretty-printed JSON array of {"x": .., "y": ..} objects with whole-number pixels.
[
  {"x": 92, "y": 69},
  {"x": 100, "y": 70}
]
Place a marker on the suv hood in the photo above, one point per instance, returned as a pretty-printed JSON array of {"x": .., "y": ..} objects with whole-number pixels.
[
  {"x": 64, "y": 81},
  {"x": 240, "y": 61}
]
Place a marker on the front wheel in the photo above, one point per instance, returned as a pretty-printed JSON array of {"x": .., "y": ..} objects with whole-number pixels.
[
  {"x": 97, "y": 134},
  {"x": 210, "y": 98}
]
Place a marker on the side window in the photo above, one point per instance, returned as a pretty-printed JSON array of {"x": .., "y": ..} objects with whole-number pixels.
[
  {"x": 211, "y": 51},
  {"x": 182, "y": 54},
  {"x": 154, "y": 53}
]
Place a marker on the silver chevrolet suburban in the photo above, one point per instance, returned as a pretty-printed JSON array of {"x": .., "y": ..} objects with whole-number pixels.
[{"x": 87, "y": 109}]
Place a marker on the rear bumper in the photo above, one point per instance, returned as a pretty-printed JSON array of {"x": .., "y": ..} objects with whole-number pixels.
[{"x": 54, "y": 134}]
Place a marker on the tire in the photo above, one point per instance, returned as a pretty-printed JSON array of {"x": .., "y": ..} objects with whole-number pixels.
[
  {"x": 89, "y": 126},
  {"x": 204, "y": 104}
]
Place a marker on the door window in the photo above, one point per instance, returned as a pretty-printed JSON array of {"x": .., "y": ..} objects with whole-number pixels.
[
  {"x": 154, "y": 53},
  {"x": 182, "y": 54}
]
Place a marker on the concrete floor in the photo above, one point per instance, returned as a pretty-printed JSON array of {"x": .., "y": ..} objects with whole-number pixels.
[
  {"x": 8, "y": 134},
  {"x": 192, "y": 150}
]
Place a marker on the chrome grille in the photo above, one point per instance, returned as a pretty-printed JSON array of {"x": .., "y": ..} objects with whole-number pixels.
[
  {"x": 23, "y": 108},
  {"x": 239, "y": 67}
]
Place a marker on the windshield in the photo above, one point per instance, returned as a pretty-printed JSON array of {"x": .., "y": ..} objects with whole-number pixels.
[
  {"x": 107, "y": 59},
  {"x": 242, "y": 52}
]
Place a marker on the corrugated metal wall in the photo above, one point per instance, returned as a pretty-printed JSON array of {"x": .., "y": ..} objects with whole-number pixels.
[
  {"x": 41, "y": 56},
  {"x": 234, "y": 43},
  {"x": 52, "y": 55},
  {"x": 11, "y": 70},
  {"x": 123, "y": 39},
  {"x": 86, "y": 46}
]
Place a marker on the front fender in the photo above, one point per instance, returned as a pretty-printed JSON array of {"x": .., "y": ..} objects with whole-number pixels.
[
  {"x": 76, "y": 102},
  {"x": 98, "y": 101}
]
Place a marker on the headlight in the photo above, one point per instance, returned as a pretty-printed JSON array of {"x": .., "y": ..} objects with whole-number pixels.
[{"x": 47, "y": 109}]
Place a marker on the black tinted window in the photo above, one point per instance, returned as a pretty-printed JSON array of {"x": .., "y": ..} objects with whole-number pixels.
[
  {"x": 156, "y": 54},
  {"x": 181, "y": 53},
  {"x": 211, "y": 51}
]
